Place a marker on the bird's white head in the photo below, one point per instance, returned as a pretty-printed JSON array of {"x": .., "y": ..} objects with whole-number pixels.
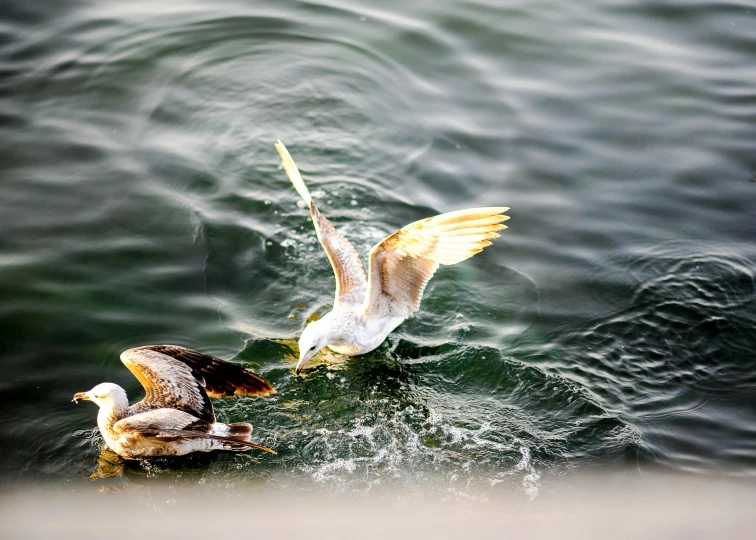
[
  {"x": 315, "y": 337},
  {"x": 105, "y": 395}
]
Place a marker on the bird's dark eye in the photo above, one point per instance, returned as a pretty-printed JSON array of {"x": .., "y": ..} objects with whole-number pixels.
[{"x": 312, "y": 348}]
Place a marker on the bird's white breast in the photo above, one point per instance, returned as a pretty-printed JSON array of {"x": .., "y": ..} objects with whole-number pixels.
[{"x": 360, "y": 335}]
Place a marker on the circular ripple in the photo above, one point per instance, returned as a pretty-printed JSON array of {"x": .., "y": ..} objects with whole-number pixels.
[{"x": 678, "y": 356}]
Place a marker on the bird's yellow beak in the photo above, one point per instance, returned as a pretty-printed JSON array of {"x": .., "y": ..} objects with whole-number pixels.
[{"x": 80, "y": 395}]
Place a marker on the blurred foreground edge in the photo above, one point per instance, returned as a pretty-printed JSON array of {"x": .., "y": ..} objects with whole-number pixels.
[{"x": 657, "y": 506}]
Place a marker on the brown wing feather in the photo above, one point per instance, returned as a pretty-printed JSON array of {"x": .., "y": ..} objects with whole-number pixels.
[
  {"x": 402, "y": 263},
  {"x": 169, "y": 425},
  {"x": 162, "y": 418},
  {"x": 173, "y": 435},
  {"x": 168, "y": 383},
  {"x": 220, "y": 378},
  {"x": 345, "y": 261},
  {"x": 170, "y": 435}
]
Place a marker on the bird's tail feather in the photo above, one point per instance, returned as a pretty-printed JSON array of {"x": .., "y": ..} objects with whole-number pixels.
[
  {"x": 242, "y": 446},
  {"x": 241, "y": 430},
  {"x": 293, "y": 173}
]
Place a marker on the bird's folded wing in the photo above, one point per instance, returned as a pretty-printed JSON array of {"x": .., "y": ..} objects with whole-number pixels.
[
  {"x": 168, "y": 383},
  {"x": 219, "y": 378},
  {"x": 162, "y": 419},
  {"x": 170, "y": 425},
  {"x": 346, "y": 263},
  {"x": 402, "y": 263}
]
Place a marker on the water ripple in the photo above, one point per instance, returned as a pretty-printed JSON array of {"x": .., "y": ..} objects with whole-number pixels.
[{"x": 613, "y": 322}]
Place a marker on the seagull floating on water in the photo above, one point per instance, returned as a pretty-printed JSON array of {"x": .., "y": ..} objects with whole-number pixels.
[
  {"x": 367, "y": 308},
  {"x": 176, "y": 416}
]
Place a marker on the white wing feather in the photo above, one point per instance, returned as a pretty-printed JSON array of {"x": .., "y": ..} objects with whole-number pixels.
[
  {"x": 351, "y": 281},
  {"x": 402, "y": 263}
]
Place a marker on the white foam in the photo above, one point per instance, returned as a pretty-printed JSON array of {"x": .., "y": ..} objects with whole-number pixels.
[{"x": 409, "y": 447}]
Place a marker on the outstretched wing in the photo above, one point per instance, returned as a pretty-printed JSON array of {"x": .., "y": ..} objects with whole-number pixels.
[
  {"x": 346, "y": 263},
  {"x": 402, "y": 263},
  {"x": 167, "y": 383},
  {"x": 219, "y": 378},
  {"x": 180, "y": 378}
]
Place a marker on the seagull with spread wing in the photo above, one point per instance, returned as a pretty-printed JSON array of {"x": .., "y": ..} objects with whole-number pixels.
[
  {"x": 367, "y": 308},
  {"x": 176, "y": 416}
]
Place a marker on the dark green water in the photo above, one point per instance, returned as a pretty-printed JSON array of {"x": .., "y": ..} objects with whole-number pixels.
[{"x": 612, "y": 325}]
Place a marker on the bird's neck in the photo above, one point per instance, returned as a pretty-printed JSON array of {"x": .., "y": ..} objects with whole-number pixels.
[
  {"x": 346, "y": 332},
  {"x": 111, "y": 412},
  {"x": 333, "y": 327}
]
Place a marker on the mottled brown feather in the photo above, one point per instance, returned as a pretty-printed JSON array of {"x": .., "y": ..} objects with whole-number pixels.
[
  {"x": 173, "y": 435},
  {"x": 162, "y": 418},
  {"x": 183, "y": 379},
  {"x": 168, "y": 383},
  {"x": 170, "y": 425},
  {"x": 220, "y": 378}
]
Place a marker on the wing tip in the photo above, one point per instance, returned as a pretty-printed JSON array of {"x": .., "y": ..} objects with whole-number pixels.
[
  {"x": 292, "y": 171},
  {"x": 490, "y": 210},
  {"x": 258, "y": 386},
  {"x": 249, "y": 392},
  {"x": 254, "y": 446}
]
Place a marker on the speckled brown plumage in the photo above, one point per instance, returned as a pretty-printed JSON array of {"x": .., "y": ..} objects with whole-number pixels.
[
  {"x": 219, "y": 378},
  {"x": 176, "y": 416}
]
